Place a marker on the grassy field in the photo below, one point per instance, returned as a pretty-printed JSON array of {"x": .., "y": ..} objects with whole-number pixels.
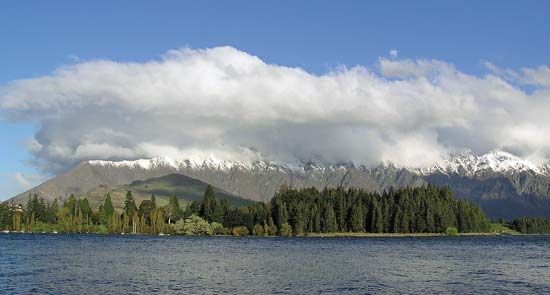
[{"x": 503, "y": 229}]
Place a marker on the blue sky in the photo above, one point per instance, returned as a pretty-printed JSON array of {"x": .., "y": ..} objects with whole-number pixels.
[{"x": 39, "y": 36}]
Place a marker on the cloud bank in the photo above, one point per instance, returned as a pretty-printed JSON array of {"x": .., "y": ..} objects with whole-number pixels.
[{"x": 229, "y": 104}]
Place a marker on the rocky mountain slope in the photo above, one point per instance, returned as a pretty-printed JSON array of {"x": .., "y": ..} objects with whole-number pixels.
[{"x": 505, "y": 185}]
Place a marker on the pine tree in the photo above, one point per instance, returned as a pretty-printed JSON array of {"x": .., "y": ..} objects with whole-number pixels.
[
  {"x": 356, "y": 218},
  {"x": 72, "y": 205},
  {"x": 107, "y": 209},
  {"x": 329, "y": 219},
  {"x": 146, "y": 208},
  {"x": 296, "y": 219},
  {"x": 4, "y": 216},
  {"x": 209, "y": 204},
  {"x": 218, "y": 213},
  {"x": 51, "y": 215},
  {"x": 173, "y": 209},
  {"x": 36, "y": 209},
  {"x": 280, "y": 213},
  {"x": 379, "y": 220},
  {"x": 129, "y": 204},
  {"x": 85, "y": 208}
]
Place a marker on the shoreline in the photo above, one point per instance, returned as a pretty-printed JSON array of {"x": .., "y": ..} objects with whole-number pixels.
[
  {"x": 393, "y": 235},
  {"x": 309, "y": 235}
]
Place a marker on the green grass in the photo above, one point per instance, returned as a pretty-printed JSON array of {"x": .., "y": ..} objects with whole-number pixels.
[
  {"x": 45, "y": 227},
  {"x": 502, "y": 228}
]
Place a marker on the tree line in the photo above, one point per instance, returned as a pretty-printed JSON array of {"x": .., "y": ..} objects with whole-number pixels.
[
  {"x": 427, "y": 209},
  {"x": 407, "y": 210},
  {"x": 532, "y": 225},
  {"x": 75, "y": 215}
]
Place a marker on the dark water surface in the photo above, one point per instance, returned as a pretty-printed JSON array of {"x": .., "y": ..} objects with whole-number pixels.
[{"x": 94, "y": 264}]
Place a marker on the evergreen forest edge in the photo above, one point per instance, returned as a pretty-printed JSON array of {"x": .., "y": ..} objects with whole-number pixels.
[{"x": 291, "y": 212}]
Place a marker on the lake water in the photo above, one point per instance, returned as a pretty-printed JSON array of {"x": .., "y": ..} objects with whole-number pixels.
[{"x": 95, "y": 264}]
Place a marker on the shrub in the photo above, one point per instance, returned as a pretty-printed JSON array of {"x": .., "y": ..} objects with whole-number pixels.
[
  {"x": 192, "y": 226},
  {"x": 285, "y": 230},
  {"x": 218, "y": 229},
  {"x": 240, "y": 231},
  {"x": 267, "y": 230},
  {"x": 102, "y": 229},
  {"x": 272, "y": 230},
  {"x": 451, "y": 231},
  {"x": 258, "y": 230}
]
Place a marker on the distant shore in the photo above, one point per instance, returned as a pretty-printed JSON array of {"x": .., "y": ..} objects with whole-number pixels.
[
  {"x": 388, "y": 235},
  {"x": 310, "y": 235}
]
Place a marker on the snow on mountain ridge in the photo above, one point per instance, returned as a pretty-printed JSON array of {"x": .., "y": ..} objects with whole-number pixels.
[
  {"x": 171, "y": 163},
  {"x": 497, "y": 161},
  {"x": 465, "y": 163}
]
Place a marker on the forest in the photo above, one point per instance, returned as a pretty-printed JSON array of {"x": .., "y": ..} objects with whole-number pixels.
[
  {"x": 291, "y": 212},
  {"x": 531, "y": 225}
]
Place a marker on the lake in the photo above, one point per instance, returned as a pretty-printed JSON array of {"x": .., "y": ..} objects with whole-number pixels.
[{"x": 96, "y": 264}]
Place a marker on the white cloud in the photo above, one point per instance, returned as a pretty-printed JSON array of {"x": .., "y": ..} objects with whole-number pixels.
[
  {"x": 26, "y": 182},
  {"x": 230, "y": 104},
  {"x": 539, "y": 76},
  {"x": 74, "y": 58},
  {"x": 393, "y": 53}
]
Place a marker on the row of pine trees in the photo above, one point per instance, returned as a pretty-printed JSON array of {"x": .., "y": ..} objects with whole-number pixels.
[
  {"x": 291, "y": 212},
  {"x": 532, "y": 225},
  {"x": 409, "y": 210}
]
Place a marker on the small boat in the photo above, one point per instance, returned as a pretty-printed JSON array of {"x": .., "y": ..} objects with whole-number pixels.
[
  {"x": 5, "y": 231},
  {"x": 161, "y": 234},
  {"x": 54, "y": 232}
]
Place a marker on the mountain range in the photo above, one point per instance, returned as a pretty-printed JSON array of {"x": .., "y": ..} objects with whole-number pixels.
[{"x": 504, "y": 185}]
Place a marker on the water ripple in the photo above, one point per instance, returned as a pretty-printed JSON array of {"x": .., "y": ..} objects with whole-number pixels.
[{"x": 95, "y": 264}]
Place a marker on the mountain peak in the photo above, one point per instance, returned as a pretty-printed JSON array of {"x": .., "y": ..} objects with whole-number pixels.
[
  {"x": 469, "y": 164},
  {"x": 465, "y": 163},
  {"x": 166, "y": 162}
]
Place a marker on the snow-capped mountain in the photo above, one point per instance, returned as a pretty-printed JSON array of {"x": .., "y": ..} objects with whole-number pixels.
[
  {"x": 221, "y": 165},
  {"x": 505, "y": 185},
  {"x": 469, "y": 164},
  {"x": 465, "y": 164}
]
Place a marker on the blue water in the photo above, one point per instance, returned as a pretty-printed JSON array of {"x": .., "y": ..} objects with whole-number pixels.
[{"x": 94, "y": 264}]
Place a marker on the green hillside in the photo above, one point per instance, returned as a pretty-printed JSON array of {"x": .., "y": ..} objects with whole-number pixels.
[{"x": 187, "y": 189}]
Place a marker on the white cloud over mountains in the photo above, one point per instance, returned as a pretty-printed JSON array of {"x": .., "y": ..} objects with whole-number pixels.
[
  {"x": 26, "y": 181},
  {"x": 230, "y": 104}
]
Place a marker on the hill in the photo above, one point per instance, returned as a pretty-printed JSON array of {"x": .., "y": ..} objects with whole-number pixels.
[{"x": 186, "y": 189}]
